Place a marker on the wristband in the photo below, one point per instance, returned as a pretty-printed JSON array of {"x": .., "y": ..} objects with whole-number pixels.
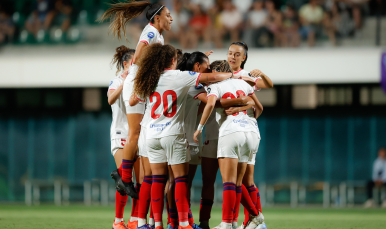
[{"x": 200, "y": 127}]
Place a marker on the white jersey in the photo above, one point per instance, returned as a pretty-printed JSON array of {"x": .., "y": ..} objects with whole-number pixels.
[
  {"x": 250, "y": 112},
  {"x": 191, "y": 109},
  {"x": 150, "y": 35},
  {"x": 119, "y": 126},
  {"x": 167, "y": 103},
  {"x": 230, "y": 89}
]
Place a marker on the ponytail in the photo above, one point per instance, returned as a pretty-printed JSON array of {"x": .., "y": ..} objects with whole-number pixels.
[
  {"x": 245, "y": 47},
  {"x": 188, "y": 61},
  {"x": 121, "y": 13},
  {"x": 153, "y": 62},
  {"x": 122, "y": 54}
]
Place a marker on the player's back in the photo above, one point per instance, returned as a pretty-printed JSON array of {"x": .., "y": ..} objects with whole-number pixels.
[
  {"x": 167, "y": 103},
  {"x": 230, "y": 89}
]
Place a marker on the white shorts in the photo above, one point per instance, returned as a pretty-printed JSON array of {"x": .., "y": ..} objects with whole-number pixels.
[
  {"x": 137, "y": 109},
  {"x": 171, "y": 149},
  {"x": 142, "y": 149},
  {"x": 209, "y": 149},
  {"x": 117, "y": 144},
  {"x": 253, "y": 159},
  {"x": 240, "y": 145},
  {"x": 195, "y": 155}
]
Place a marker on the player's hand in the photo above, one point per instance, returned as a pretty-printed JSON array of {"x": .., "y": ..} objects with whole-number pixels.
[
  {"x": 208, "y": 53},
  {"x": 245, "y": 100},
  {"x": 231, "y": 110},
  {"x": 195, "y": 136},
  {"x": 255, "y": 73},
  {"x": 125, "y": 73}
]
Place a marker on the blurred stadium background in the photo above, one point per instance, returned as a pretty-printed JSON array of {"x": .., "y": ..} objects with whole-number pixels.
[{"x": 321, "y": 128}]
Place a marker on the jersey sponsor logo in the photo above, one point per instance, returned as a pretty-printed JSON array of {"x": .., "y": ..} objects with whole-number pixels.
[
  {"x": 242, "y": 123},
  {"x": 192, "y": 73},
  {"x": 150, "y": 35},
  {"x": 199, "y": 86},
  {"x": 160, "y": 127},
  {"x": 111, "y": 83}
]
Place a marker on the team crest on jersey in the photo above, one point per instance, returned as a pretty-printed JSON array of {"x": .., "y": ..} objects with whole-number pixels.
[
  {"x": 150, "y": 35},
  {"x": 199, "y": 86},
  {"x": 111, "y": 83},
  {"x": 192, "y": 73},
  {"x": 209, "y": 90}
]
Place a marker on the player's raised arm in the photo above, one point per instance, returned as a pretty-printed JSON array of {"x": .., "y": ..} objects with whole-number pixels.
[{"x": 205, "y": 116}]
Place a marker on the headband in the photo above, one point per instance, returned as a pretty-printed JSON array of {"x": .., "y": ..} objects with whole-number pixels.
[{"x": 156, "y": 12}]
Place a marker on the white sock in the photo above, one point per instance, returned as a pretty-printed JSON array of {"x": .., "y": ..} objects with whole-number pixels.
[
  {"x": 234, "y": 224},
  {"x": 227, "y": 225},
  {"x": 132, "y": 219},
  {"x": 118, "y": 220},
  {"x": 184, "y": 224},
  {"x": 151, "y": 221},
  {"x": 158, "y": 224},
  {"x": 141, "y": 222}
]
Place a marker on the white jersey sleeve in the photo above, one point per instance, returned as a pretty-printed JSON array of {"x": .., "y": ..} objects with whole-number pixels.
[
  {"x": 119, "y": 126},
  {"x": 245, "y": 73},
  {"x": 150, "y": 35},
  {"x": 114, "y": 84}
]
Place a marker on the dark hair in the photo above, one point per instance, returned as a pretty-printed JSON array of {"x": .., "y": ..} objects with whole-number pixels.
[
  {"x": 245, "y": 47},
  {"x": 122, "y": 54},
  {"x": 188, "y": 60},
  {"x": 122, "y": 13},
  {"x": 155, "y": 59},
  {"x": 221, "y": 66}
]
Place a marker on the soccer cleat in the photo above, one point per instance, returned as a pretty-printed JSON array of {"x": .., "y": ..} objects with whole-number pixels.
[
  {"x": 262, "y": 226},
  {"x": 159, "y": 227},
  {"x": 170, "y": 226},
  {"x": 132, "y": 225},
  {"x": 195, "y": 226},
  {"x": 369, "y": 203},
  {"x": 254, "y": 221},
  {"x": 223, "y": 225},
  {"x": 187, "y": 227},
  {"x": 152, "y": 226},
  {"x": 146, "y": 226},
  {"x": 120, "y": 225},
  {"x": 117, "y": 178}
]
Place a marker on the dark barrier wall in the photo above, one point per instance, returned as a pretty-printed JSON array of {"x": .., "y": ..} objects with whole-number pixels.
[{"x": 300, "y": 148}]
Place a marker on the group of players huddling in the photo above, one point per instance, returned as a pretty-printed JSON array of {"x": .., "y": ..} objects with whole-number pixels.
[{"x": 160, "y": 102}]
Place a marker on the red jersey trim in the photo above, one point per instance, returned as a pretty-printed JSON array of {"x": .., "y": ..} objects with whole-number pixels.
[
  {"x": 211, "y": 95},
  {"x": 139, "y": 99},
  {"x": 195, "y": 97},
  {"x": 131, "y": 61},
  {"x": 257, "y": 88},
  {"x": 238, "y": 71},
  {"x": 143, "y": 41},
  {"x": 168, "y": 69},
  {"x": 198, "y": 79}
]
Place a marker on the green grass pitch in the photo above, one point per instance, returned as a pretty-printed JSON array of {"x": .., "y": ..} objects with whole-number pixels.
[{"x": 19, "y": 216}]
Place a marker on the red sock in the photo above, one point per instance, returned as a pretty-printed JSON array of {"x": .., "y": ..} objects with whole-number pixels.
[
  {"x": 252, "y": 191},
  {"x": 229, "y": 200},
  {"x": 127, "y": 170},
  {"x": 120, "y": 203},
  {"x": 258, "y": 203},
  {"x": 151, "y": 211},
  {"x": 173, "y": 217},
  {"x": 134, "y": 209},
  {"x": 144, "y": 197},
  {"x": 120, "y": 170},
  {"x": 237, "y": 204},
  {"x": 167, "y": 208},
  {"x": 181, "y": 197},
  {"x": 190, "y": 217},
  {"x": 247, "y": 202},
  {"x": 157, "y": 196},
  {"x": 205, "y": 209}
]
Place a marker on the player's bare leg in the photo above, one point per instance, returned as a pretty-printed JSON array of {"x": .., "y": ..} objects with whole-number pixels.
[{"x": 209, "y": 168}]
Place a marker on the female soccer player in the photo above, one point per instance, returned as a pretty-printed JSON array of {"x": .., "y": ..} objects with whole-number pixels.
[
  {"x": 236, "y": 145},
  {"x": 237, "y": 57},
  {"x": 159, "y": 21},
  {"x": 118, "y": 131},
  {"x": 165, "y": 90}
]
